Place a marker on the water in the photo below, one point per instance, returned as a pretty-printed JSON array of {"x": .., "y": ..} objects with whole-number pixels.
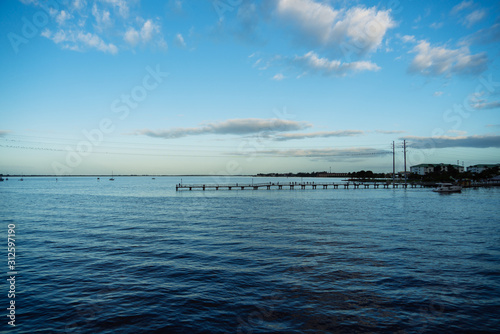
[{"x": 135, "y": 256}]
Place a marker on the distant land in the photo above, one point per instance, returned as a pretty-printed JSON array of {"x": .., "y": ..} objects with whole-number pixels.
[
  {"x": 114, "y": 175},
  {"x": 299, "y": 174}
]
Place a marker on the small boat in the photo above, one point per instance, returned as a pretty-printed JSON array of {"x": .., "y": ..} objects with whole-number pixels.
[
  {"x": 447, "y": 188},
  {"x": 112, "y": 178}
]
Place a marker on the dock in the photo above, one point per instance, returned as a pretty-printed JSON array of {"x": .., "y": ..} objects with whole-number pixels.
[{"x": 295, "y": 185}]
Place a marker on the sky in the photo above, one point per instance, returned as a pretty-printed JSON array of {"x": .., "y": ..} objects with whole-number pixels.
[{"x": 227, "y": 87}]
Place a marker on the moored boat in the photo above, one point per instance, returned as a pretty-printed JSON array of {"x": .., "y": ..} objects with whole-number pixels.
[{"x": 448, "y": 188}]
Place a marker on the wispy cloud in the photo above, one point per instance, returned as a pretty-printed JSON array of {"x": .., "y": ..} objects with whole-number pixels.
[
  {"x": 461, "y": 6},
  {"x": 358, "y": 28},
  {"x": 102, "y": 17},
  {"x": 231, "y": 126},
  {"x": 474, "y": 17},
  {"x": 484, "y": 36},
  {"x": 436, "y": 25},
  {"x": 176, "y": 6},
  {"x": 457, "y": 132},
  {"x": 62, "y": 17},
  {"x": 121, "y": 6},
  {"x": 79, "y": 40},
  {"x": 483, "y": 104},
  {"x": 320, "y": 134},
  {"x": 326, "y": 153},
  {"x": 458, "y": 141},
  {"x": 390, "y": 132},
  {"x": 102, "y": 26},
  {"x": 311, "y": 62},
  {"x": 408, "y": 38},
  {"x": 279, "y": 77},
  {"x": 179, "y": 40}
]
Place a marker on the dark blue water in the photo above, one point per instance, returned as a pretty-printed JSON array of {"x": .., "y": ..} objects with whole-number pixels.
[{"x": 135, "y": 256}]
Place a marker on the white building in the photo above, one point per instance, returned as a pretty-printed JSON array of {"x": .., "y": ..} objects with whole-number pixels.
[
  {"x": 476, "y": 169},
  {"x": 424, "y": 169}
]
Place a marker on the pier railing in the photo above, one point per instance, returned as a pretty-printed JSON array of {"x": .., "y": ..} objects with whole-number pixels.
[{"x": 295, "y": 185}]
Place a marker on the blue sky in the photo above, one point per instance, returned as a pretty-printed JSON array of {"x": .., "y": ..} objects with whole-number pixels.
[{"x": 242, "y": 87}]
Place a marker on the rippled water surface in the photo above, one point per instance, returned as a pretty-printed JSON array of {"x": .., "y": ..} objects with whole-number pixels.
[{"x": 135, "y": 256}]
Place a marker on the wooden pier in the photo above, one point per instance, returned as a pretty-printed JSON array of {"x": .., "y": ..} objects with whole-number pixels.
[{"x": 295, "y": 185}]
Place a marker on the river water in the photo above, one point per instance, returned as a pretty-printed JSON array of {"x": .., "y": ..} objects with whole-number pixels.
[{"x": 135, "y": 256}]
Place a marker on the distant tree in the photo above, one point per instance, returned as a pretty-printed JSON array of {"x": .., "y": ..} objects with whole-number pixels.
[{"x": 489, "y": 173}]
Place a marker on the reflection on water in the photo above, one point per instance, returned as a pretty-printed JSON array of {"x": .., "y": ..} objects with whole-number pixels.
[{"x": 134, "y": 255}]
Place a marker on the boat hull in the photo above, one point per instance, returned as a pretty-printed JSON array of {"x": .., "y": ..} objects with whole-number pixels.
[{"x": 448, "y": 188}]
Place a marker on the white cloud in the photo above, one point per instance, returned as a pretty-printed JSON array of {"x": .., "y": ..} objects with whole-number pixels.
[
  {"x": 96, "y": 42},
  {"x": 61, "y": 36},
  {"x": 63, "y": 16},
  {"x": 132, "y": 36},
  {"x": 279, "y": 77},
  {"x": 79, "y": 4},
  {"x": 102, "y": 18},
  {"x": 435, "y": 61},
  {"x": 311, "y": 62},
  {"x": 147, "y": 30},
  {"x": 474, "y": 17},
  {"x": 102, "y": 25},
  {"x": 359, "y": 30},
  {"x": 408, "y": 38},
  {"x": 144, "y": 35},
  {"x": 121, "y": 5},
  {"x": 179, "y": 40},
  {"x": 437, "y": 94}
]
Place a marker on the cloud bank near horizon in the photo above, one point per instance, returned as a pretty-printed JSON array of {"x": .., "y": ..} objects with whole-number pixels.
[{"x": 477, "y": 141}]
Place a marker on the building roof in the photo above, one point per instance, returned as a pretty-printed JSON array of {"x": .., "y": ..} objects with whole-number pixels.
[{"x": 434, "y": 165}]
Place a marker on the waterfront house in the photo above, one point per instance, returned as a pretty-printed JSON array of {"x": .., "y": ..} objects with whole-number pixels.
[{"x": 424, "y": 169}]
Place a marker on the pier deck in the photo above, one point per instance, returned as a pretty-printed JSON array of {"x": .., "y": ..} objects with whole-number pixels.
[{"x": 294, "y": 185}]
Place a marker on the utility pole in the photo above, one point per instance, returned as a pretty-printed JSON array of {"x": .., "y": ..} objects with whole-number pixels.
[
  {"x": 404, "y": 148},
  {"x": 393, "y": 164}
]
